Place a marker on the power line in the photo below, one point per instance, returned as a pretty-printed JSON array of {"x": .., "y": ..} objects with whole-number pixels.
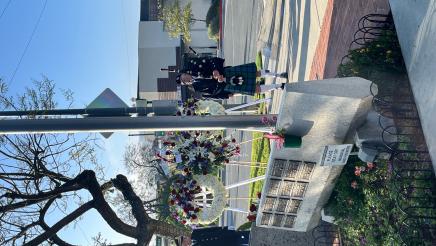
[
  {"x": 28, "y": 42},
  {"x": 4, "y": 10}
]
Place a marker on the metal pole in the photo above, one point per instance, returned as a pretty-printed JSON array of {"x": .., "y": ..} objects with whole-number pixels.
[
  {"x": 124, "y": 123},
  {"x": 244, "y": 182},
  {"x": 237, "y": 210},
  {"x": 82, "y": 111}
]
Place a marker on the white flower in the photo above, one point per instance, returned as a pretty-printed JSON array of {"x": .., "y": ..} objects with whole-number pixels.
[
  {"x": 209, "y": 214},
  {"x": 210, "y": 107}
]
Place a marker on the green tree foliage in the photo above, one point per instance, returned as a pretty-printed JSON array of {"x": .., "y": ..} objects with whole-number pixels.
[
  {"x": 177, "y": 20},
  {"x": 213, "y": 20}
]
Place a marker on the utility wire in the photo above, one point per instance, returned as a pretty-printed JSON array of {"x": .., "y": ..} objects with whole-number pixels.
[
  {"x": 28, "y": 42},
  {"x": 5, "y": 8}
]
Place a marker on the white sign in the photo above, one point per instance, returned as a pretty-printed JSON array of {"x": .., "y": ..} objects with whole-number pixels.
[{"x": 335, "y": 155}]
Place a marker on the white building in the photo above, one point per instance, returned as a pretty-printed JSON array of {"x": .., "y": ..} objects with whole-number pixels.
[{"x": 157, "y": 50}]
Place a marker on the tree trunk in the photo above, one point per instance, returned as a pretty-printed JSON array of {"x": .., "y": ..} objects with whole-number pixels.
[{"x": 169, "y": 230}]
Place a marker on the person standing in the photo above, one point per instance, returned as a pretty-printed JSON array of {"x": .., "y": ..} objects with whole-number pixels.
[{"x": 226, "y": 81}]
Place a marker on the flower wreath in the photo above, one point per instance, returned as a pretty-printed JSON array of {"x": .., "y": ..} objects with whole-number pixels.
[
  {"x": 201, "y": 152},
  {"x": 208, "y": 215}
]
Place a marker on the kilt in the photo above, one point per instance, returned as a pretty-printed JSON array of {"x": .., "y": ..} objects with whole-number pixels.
[{"x": 248, "y": 72}]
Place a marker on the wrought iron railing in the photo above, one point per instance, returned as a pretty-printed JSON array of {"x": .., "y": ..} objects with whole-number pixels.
[{"x": 412, "y": 174}]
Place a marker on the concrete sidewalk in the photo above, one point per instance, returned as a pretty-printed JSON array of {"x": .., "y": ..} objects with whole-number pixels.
[{"x": 415, "y": 22}]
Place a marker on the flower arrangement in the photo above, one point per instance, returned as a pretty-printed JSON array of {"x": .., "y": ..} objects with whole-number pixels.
[
  {"x": 181, "y": 199},
  {"x": 200, "y": 152},
  {"x": 193, "y": 107},
  {"x": 186, "y": 202},
  {"x": 210, "y": 213}
]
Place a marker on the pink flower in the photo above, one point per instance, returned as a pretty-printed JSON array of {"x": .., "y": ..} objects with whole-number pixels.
[
  {"x": 354, "y": 184},
  {"x": 370, "y": 165}
]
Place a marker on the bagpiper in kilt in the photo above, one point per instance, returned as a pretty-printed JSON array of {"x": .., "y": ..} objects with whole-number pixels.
[
  {"x": 221, "y": 83},
  {"x": 241, "y": 79}
]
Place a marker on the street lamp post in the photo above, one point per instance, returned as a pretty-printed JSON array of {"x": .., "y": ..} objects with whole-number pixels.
[{"x": 125, "y": 123}]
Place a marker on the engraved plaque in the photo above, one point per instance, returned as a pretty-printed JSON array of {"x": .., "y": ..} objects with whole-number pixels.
[
  {"x": 265, "y": 219},
  {"x": 269, "y": 204},
  {"x": 273, "y": 187},
  {"x": 285, "y": 188},
  {"x": 292, "y": 170},
  {"x": 278, "y": 167},
  {"x": 293, "y": 206},
  {"x": 289, "y": 221},
  {"x": 277, "y": 220},
  {"x": 281, "y": 205},
  {"x": 298, "y": 189},
  {"x": 306, "y": 170}
]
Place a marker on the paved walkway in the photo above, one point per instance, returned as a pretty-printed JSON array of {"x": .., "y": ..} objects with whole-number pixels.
[{"x": 415, "y": 22}]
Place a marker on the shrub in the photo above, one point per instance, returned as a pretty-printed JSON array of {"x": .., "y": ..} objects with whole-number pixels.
[{"x": 214, "y": 29}]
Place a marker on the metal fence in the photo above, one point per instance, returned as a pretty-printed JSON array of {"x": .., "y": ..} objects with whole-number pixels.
[
  {"x": 413, "y": 176},
  {"x": 412, "y": 171}
]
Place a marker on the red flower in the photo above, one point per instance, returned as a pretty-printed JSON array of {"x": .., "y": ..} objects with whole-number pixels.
[
  {"x": 253, "y": 208},
  {"x": 370, "y": 165},
  {"x": 259, "y": 194},
  {"x": 226, "y": 161},
  {"x": 357, "y": 172},
  {"x": 251, "y": 217},
  {"x": 173, "y": 192},
  {"x": 183, "y": 221},
  {"x": 224, "y": 145},
  {"x": 186, "y": 210},
  {"x": 233, "y": 140},
  {"x": 193, "y": 216},
  {"x": 354, "y": 184}
]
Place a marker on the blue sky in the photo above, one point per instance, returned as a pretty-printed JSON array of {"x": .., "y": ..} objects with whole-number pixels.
[{"x": 83, "y": 45}]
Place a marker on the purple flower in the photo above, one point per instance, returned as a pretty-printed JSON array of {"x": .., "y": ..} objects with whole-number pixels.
[{"x": 264, "y": 120}]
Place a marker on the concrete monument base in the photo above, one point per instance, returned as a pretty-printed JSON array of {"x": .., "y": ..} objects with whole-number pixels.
[{"x": 297, "y": 187}]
